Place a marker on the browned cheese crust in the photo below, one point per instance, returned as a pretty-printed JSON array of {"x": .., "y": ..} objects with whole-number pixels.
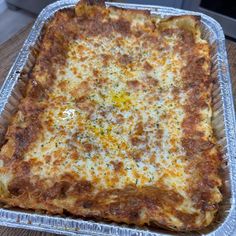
[{"x": 31, "y": 177}]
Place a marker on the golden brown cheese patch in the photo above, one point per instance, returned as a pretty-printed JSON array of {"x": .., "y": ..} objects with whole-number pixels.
[{"x": 115, "y": 123}]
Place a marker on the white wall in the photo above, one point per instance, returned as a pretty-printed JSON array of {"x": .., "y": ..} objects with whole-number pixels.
[{"x": 3, "y": 6}]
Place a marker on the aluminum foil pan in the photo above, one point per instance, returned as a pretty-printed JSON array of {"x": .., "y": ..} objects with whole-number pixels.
[{"x": 223, "y": 122}]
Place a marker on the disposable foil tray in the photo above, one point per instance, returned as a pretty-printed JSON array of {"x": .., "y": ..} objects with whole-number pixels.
[{"x": 223, "y": 122}]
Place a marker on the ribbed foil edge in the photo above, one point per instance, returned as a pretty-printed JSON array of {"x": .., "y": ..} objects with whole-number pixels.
[{"x": 69, "y": 226}]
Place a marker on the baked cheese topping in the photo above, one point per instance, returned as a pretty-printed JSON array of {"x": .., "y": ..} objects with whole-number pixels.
[
  {"x": 120, "y": 122},
  {"x": 116, "y": 122}
]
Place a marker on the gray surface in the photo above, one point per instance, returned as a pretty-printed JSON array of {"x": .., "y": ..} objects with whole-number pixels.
[
  {"x": 3, "y": 6},
  {"x": 167, "y": 3},
  {"x": 34, "y": 6},
  {"x": 11, "y": 22},
  {"x": 228, "y": 23},
  {"x": 223, "y": 121}
]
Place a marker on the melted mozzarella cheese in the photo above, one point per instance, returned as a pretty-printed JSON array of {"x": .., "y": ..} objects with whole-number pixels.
[{"x": 90, "y": 139}]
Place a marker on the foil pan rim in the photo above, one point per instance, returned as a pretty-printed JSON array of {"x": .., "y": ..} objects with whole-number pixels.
[{"x": 60, "y": 225}]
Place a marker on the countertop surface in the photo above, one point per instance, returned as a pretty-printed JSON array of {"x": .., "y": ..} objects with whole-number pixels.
[{"x": 8, "y": 53}]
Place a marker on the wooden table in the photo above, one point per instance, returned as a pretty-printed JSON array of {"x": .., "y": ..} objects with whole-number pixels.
[{"x": 8, "y": 53}]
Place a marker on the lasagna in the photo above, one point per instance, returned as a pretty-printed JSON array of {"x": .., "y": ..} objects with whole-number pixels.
[{"x": 115, "y": 123}]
